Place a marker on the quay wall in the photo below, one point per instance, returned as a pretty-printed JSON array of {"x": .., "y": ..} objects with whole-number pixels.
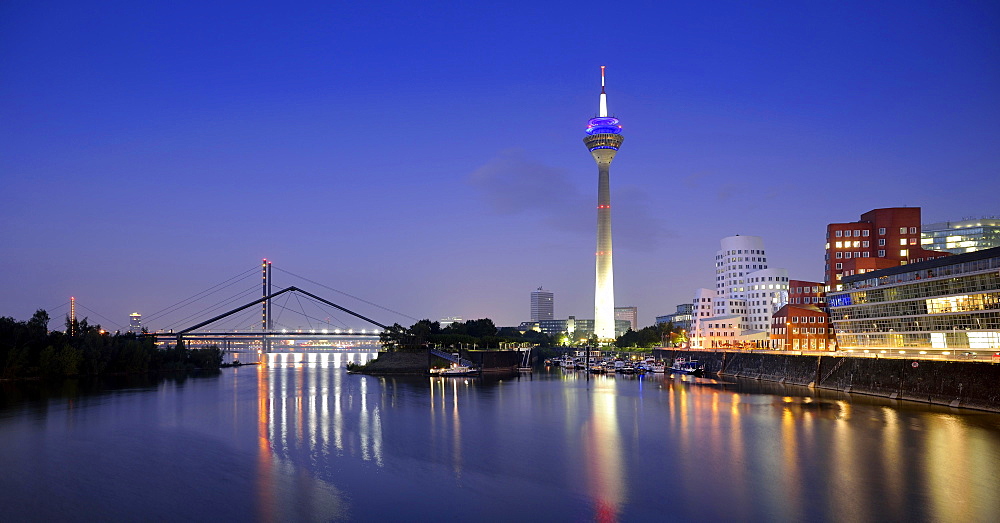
[{"x": 974, "y": 385}]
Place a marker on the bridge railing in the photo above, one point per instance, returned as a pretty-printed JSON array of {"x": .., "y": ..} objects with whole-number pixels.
[{"x": 452, "y": 358}]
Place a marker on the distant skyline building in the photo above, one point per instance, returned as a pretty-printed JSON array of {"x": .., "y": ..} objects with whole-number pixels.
[
  {"x": 682, "y": 318},
  {"x": 542, "y": 305},
  {"x": 630, "y": 314},
  {"x": 961, "y": 236},
  {"x": 444, "y": 322},
  {"x": 603, "y": 140},
  {"x": 135, "y": 322}
]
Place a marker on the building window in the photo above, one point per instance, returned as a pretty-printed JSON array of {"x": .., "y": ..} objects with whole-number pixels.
[
  {"x": 881, "y": 242},
  {"x": 902, "y": 241},
  {"x": 840, "y": 255},
  {"x": 864, "y": 244},
  {"x": 847, "y": 255},
  {"x": 913, "y": 230},
  {"x": 881, "y": 231},
  {"x": 840, "y": 266},
  {"x": 904, "y": 253},
  {"x": 847, "y": 233},
  {"x": 839, "y": 244},
  {"x": 857, "y": 244},
  {"x": 865, "y": 254},
  {"x": 865, "y": 233},
  {"x": 902, "y": 230},
  {"x": 857, "y": 233},
  {"x": 839, "y": 233},
  {"x": 881, "y": 253}
]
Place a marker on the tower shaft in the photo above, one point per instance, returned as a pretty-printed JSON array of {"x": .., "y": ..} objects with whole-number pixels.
[
  {"x": 604, "y": 288},
  {"x": 603, "y": 140}
]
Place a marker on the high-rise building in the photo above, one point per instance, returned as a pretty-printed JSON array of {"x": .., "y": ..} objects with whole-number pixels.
[
  {"x": 135, "y": 322},
  {"x": 542, "y": 305},
  {"x": 961, "y": 236},
  {"x": 891, "y": 234},
  {"x": 629, "y": 314},
  {"x": 603, "y": 140}
]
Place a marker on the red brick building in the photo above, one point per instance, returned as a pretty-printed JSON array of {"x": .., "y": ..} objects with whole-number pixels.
[
  {"x": 801, "y": 292},
  {"x": 891, "y": 235},
  {"x": 802, "y": 327}
]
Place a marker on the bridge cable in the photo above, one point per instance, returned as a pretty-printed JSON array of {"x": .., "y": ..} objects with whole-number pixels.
[
  {"x": 244, "y": 274},
  {"x": 82, "y": 306},
  {"x": 303, "y": 309},
  {"x": 320, "y": 305},
  {"x": 215, "y": 306},
  {"x": 348, "y": 295}
]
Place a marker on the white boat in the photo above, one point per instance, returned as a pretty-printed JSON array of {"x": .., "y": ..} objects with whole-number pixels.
[
  {"x": 459, "y": 370},
  {"x": 683, "y": 366}
]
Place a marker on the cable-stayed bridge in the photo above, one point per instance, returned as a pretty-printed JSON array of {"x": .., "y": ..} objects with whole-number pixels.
[{"x": 277, "y": 320}]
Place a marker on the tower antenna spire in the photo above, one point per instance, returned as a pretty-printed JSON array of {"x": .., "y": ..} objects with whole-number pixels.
[{"x": 604, "y": 97}]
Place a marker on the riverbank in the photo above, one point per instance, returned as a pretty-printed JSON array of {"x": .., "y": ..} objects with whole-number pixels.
[{"x": 971, "y": 385}]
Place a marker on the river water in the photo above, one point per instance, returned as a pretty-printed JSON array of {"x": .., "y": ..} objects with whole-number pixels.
[{"x": 308, "y": 442}]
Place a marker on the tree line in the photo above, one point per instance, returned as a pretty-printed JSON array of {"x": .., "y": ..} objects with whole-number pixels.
[
  {"x": 28, "y": 349},
  {"x": 480, "y": 334}
]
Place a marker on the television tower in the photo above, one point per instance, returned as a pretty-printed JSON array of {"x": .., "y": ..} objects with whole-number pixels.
[{"x": 603, "y": 140}]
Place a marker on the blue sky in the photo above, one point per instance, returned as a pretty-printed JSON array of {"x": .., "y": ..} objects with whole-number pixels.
[{"x": 428, "y": 157}]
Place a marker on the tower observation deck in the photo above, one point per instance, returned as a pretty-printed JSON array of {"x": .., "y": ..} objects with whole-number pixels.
[{"x": 603, "y": 140}]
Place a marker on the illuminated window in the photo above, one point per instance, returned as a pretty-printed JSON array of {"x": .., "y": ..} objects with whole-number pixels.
[
  {"x": 902, "y": 241},
  {"x": 902, "y": 230},
  {"x": 857, "y": 244},
  {"x": 839, "y": 244},
  {"x": 904, "y": 252},
  {"x": 913, "y": 241}
]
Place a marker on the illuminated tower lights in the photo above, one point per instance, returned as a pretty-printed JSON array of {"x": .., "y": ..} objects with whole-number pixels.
[{"x": 603, "y": 140}]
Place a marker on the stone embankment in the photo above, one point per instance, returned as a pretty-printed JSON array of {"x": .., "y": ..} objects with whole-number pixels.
[{"x": 974, "y": 385}]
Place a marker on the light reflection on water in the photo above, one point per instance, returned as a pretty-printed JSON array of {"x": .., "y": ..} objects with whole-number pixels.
[{"x": 306, "y": 441}]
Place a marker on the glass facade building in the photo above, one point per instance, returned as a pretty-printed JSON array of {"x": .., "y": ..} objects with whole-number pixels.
[
  {"x": 961, "y": 237},
  {"x": 942, "y": 305}
]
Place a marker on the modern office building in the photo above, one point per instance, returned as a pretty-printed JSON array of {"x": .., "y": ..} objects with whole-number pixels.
[
  {"x": 681, "y": 319},
  {"x": 961, "y": 236},
  {"x": 542, "y": 305},
  {"x": 629, "y": 314},
  {"x": 802, "y": 327},
  {"x": 891, "y": 234},
  {"x": 135, "y": 322},
  {"x": 603, "y": 140},
  {"x": 936, "y": 306}
]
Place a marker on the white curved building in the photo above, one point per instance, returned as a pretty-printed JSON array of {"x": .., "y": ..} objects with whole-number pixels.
[{"x": 747, "y": 293}]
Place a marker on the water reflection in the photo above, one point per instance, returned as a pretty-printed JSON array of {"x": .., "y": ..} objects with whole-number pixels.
[
  {"x": 306, "y": 441},
  {"x": 603, "y": 452},
  {"x": 306, "y": 415}
]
